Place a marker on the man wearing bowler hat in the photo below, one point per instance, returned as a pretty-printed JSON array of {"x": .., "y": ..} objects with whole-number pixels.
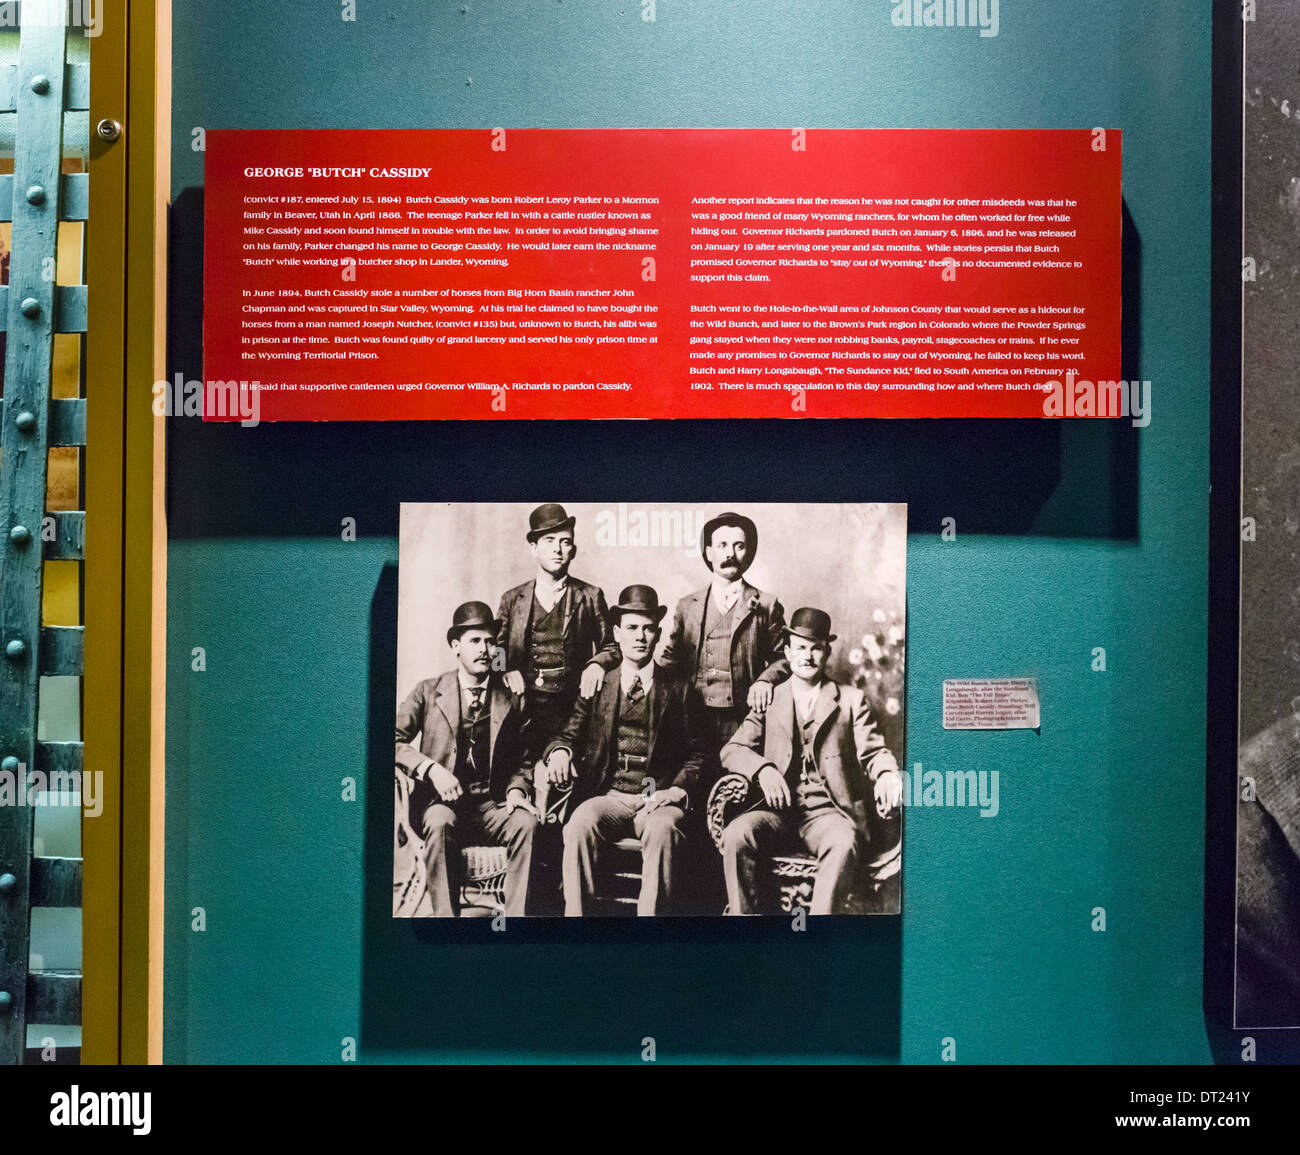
[
  {"x": 634, "y": 756},
  {"x": 818, "y": 759},
  {"x": 552, "y": 627},
  {"x": 727, "y": 637},
  {"x": 467, "y": 785}
]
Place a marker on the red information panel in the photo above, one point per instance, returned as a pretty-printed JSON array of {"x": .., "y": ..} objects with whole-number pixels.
[{"x": 662, "y": 273}]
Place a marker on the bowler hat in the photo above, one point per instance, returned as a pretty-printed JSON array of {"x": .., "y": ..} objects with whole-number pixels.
[
  {"x": 741, "y": 522},
  {"x": 815, "y": 625},
  {"x": 548, "y": 518},
  {"x": 471, "y": 615},
  {"x": 638, "y": 600}
]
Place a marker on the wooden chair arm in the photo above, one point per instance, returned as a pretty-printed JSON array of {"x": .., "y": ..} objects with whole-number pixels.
[
  {"x": 410, "y": 892},
  {"x": 729, "y": 797}
]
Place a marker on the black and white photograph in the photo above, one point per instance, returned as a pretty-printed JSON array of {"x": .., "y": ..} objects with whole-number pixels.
[
  {"x": 1267, "y": 939},
  {"x": 642, "y": 710}
]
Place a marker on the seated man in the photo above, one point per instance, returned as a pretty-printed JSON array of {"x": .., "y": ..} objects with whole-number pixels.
[
  {"x": 817, "y": 756},
  {"x": 467, "y": 783},
  {"x": 640, "y": 725}
]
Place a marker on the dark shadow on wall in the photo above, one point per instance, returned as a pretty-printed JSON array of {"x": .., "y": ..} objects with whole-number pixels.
[
  {"x": 595, "y": 988},
  {"x": 1043, "y": 478}
]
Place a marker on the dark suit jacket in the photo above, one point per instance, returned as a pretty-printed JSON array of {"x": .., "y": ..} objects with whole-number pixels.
[
  {"x": 586, "y": 628},
  {"x": 676, "y": 755},
  {"x": 757, "y": 640},
  {"x": 850, "y": 751},
  {"x": 432, "y": 711}
]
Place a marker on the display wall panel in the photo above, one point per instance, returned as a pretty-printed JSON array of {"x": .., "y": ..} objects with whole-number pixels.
[{"x": 1068, "y": 538}]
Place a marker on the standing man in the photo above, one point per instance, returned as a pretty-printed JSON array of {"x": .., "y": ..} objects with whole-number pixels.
[
  {"x": 467, "y": 784},
  {"x": 817, "y": 757},
  {"x": 727, "y": 638},
  {"x": 552, "y": 627},
  {"x": 636, "y": 753}
]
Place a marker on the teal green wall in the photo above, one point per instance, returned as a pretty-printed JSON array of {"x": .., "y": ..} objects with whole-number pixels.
[{"x": 1104, "y": 807}]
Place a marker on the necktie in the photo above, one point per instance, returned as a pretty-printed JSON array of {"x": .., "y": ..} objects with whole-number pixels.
[
  {"x": 475, "y": 714},
  {"x": 635, "y": 691}
]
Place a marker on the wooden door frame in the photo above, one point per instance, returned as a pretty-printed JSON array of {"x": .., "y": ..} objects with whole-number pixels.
[{"x": 125, "y": 560}]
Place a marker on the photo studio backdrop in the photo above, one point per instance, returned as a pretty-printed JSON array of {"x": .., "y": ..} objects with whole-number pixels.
[{"x": 1078, "y": 559}]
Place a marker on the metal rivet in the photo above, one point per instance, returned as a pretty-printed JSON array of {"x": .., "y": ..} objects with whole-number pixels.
[
  {"x": 10, "y": 765},
  {"x": 7, "y": 883},
  {"x": 15, "y": 649},
  {"x": 20, "y": 535},
  {"x": 6, "y": 1001},
  {"x": 36, "y": 195},
  {"x": 108, "y": 129},
  {"x": 41, "y": 83},
  {"x": 26, "y": 421},
  {"x": 31, "y": 307}
]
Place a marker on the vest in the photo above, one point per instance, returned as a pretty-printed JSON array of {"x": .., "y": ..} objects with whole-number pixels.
[
  {"x": 714, "y": 674},
  {"x": 634, "y": 740},
  {"x": 810, "y": 792},
  {"x": 473, "y": 743},
  {"x": 546, "y": 647}
]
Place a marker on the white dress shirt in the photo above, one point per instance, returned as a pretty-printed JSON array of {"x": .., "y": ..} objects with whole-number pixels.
[
  {"x": 805, "y": 696},
  {"x": 550, "y": 590},
  {"x": 726, "y": 594},
  {"x": 629, "y": 673},
  {"x": 466, "y": 685}
]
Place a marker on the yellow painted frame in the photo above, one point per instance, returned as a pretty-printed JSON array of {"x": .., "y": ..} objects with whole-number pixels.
[{"x": 125, "y": 561}]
